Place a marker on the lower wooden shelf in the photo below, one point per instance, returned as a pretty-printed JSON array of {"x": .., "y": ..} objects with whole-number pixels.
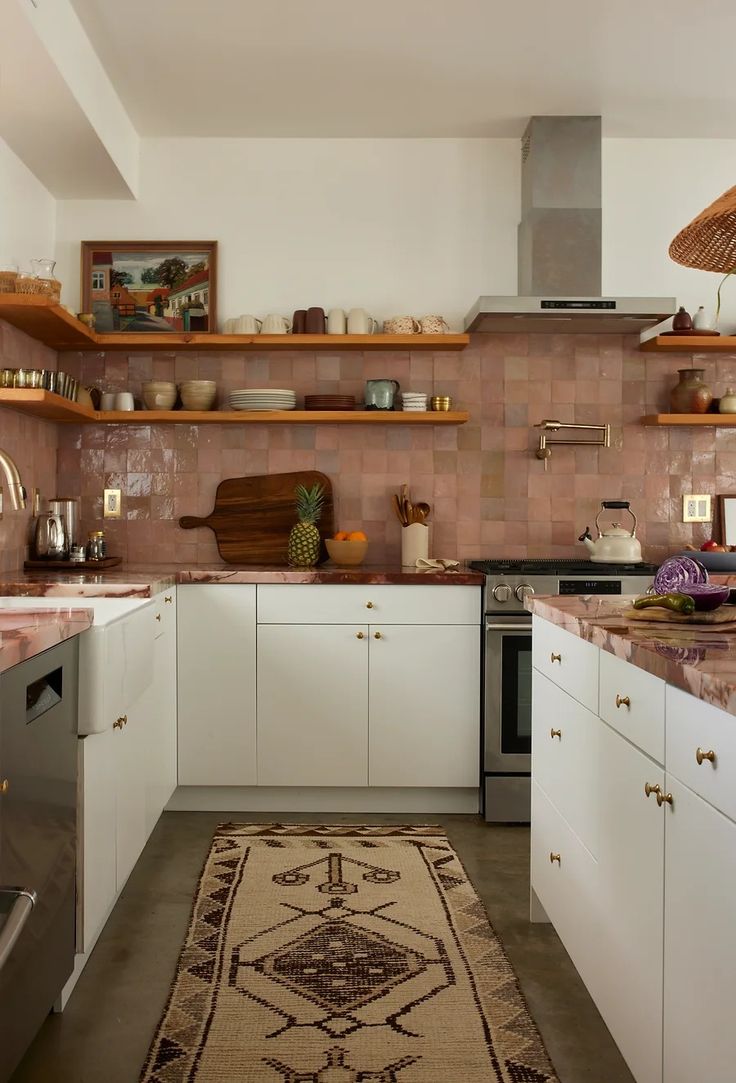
[
  {"x": 721, "y": 420},
  {"x": 45, "y": 404}
]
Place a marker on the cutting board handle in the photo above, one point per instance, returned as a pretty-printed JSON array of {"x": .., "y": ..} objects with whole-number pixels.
[{"x": 188, "y": 522}]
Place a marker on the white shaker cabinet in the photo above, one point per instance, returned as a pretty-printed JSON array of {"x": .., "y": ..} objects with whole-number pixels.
[
  {"x": 131, "y": 764},
  {"x": 97, "y": 863},
  {"x": 217, "y": 684},
  {"x": 161, "y": 707}
]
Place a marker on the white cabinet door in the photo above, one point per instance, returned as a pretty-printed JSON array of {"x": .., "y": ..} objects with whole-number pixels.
[
  {"x": 700, "y": 941},
  {"x": 631, "y": 882},
  {"x": 160, "y": 709},
  {"x": 312, "y": 705},
  {"x": 130, "y": 789},
  {"x": 97, "y": 875},
  {"x": 424, "y": 705},
  {"x": 216, "y": 628}
]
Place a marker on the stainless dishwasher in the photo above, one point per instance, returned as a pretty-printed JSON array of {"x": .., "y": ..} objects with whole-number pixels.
[{"x": 38, "y": 802}]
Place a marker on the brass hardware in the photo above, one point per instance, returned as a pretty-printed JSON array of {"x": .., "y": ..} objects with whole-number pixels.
[
  {"x": 649, "y": 790},
  {"x": 553, "y": 858},
  {"x": 360, "y": 635},
  {"x": 158, "y": 616},
  {"x": 555, "y": 733},
  {"x": 377, "y": 635},
  {"x": 555, "y": 657},
  {"x": 709, "y": 755},
  {"x": 120, "y": 722},
  {"x": 623, "y": 701},
  {"x": 168, "y": 599},
  {"x": 664, "y": 797},
  {"x": 4, "y": 786},
  {"x": 369, "y": 605}
]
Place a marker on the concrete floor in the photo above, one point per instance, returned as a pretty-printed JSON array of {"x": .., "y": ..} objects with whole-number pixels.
[{"x": 104, "y": 1034}]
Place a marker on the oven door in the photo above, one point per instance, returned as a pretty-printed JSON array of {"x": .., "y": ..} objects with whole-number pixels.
[{"x": 508, "y": 695}]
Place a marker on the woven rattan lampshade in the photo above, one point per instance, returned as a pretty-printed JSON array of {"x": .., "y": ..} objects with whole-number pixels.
[{"x": 709, "y": 242}]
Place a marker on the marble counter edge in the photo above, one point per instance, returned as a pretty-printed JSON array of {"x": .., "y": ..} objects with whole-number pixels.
[{"x": 24, "y": 633}]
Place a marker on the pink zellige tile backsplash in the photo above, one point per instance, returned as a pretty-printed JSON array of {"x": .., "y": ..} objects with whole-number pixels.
[{"x": 490, "y": 495}]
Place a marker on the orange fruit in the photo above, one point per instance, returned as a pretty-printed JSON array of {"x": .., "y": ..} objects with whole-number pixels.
[
  {"x": 357, "y": 535},
  {"x": 341, "y": 535}
]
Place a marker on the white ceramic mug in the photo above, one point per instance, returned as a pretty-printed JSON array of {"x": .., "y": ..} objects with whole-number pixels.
[
  {"x": 107, "y": 400},
  {"x": 360, "y": 323},
  {"x": 246, "y": 325},
  {"x": 275, "y": 325},
  {"x": 336, "y": 323},
  {"x": 124, "y": 401},
  {"x": 401, "y": 325},
  {"x": 434, "y": 325}
]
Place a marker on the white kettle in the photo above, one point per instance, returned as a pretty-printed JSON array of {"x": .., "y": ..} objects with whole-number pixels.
[{"x": 615, "y": 545}]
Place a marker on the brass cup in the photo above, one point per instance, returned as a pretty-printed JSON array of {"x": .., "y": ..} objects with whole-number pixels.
[{"x": 440, "y": 402}]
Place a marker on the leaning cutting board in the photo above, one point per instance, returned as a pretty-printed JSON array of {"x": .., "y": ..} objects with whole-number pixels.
[
  {"x": 722, "y": 619},
  {"x": 252, "y": 516}
]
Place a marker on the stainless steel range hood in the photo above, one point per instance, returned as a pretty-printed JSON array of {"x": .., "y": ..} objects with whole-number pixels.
[{"x": 560, "y": 242}]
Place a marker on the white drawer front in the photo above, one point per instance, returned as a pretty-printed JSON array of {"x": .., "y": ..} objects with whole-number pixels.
[
  {"x": 569, "y": 662},
  {"x": 565, "y": 757},
  {"x": 632, "y": 702},
  {"x": 163, "y": 611},
  {"x": 701, "y": 749},
  {"x": 347, "y": 603}
]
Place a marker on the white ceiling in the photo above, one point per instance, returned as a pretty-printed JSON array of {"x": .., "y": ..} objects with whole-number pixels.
[{"x": 652, "y": 68}]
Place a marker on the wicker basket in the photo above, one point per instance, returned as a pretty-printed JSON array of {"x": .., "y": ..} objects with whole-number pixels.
[
  {"x": 7, "y": 281},
  {"x": 29, "y": 284},
  {"x": 709, "y": 242}
]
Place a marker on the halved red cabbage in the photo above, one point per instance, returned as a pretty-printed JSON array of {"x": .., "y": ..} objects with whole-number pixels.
[
  {"x": 706, "y": 595},
  {"x": 677, "y": 572}
]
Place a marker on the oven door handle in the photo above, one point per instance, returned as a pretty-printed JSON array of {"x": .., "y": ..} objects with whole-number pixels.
[
  {"x": 20, "y": 911},
  {"x": 505, "y": 627}
]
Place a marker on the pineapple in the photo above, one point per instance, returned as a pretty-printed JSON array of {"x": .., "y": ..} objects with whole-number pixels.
[{"x": 304, "y": 538}]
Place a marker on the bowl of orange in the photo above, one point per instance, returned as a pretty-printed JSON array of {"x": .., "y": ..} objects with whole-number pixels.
[{"x": 347, "y": 548}]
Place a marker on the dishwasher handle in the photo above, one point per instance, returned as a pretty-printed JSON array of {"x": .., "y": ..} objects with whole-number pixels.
[
  {"x": 25, "y": 900},
  {"x": 506, "y": 627}
]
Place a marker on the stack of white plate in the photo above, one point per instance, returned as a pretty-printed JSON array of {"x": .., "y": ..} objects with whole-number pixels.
[
  {"x": 413, "y": 400},
  {"x": 263, "y": 398}
]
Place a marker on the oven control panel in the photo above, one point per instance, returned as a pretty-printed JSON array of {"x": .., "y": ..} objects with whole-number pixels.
[{"x": 590, "y": 586}]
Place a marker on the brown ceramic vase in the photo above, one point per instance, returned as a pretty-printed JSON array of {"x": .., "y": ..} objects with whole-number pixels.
[{"x": 691, "y": 395}]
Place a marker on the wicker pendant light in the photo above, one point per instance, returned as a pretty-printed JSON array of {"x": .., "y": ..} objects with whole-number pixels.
[{"x": 709, "y": 242}]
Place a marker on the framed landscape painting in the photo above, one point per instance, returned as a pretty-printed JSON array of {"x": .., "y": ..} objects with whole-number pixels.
[{"x": 150, "y": 286}]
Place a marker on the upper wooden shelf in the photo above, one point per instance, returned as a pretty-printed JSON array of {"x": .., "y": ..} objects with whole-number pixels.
[
  {"x": 690, "y": 344},
  {"x": 722, "y": 420},
  {"x": 39, "y": 403},
  {"x": 55, "y": 327}
]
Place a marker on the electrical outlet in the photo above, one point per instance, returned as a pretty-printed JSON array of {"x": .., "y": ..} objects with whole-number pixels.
[
  {"x": 111, "y": 504},
  {"x": 696, "y": 508}
]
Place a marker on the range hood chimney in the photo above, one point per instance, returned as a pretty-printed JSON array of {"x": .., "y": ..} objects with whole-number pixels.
[{"x": 559, "y": 242}]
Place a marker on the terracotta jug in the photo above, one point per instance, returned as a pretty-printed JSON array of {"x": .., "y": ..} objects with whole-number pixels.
[{"x": 691, "y": 395}]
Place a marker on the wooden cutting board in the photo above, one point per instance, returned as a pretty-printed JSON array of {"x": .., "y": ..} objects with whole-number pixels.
[
  {"x": 722, "y": 619},
  {"x": 252, "y": 516}
]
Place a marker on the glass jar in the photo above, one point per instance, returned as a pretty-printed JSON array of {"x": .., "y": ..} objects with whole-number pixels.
[{"x": 97, "y": 546}]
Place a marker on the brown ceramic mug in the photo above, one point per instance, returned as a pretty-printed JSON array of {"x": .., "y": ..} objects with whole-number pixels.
[
  {"x": 299, "y": 322},
  {"x": 315, "y": 321}
]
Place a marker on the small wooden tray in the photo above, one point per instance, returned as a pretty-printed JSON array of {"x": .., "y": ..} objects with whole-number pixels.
[
  {"x": 72, "y": 565},
  {"x": 722, "y": 619},
  {"x": 691, "y": 331}
]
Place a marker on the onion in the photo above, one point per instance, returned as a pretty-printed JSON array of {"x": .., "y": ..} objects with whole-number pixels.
[{"x": 677, "y": 572}]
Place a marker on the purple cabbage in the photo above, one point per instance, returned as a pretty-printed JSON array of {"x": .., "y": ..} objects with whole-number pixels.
[
  {"x": 678, "y": 572},
  {"x": 706, "y": 595}
]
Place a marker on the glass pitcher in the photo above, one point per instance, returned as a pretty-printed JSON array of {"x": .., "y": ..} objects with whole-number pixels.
[
  {"x": 43, "y": 268},
  {"x": 379, "y": 394}
]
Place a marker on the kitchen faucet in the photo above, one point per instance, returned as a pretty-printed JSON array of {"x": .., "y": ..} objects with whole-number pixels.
[{"x": 12, "y": 476}]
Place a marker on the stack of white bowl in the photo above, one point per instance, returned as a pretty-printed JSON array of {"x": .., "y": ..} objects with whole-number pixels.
[
  {"x": 413, "y": 400},
  {"x": 263, "y": 398}
]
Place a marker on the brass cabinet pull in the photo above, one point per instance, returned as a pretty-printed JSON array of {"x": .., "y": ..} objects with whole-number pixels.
[
  {"x": 369, "y": 605},
  {"x": 360, "y": 635},
  {"x": 120, "y": 722},
  {"x": 555, "y": 657},
  {"x": 158, "y": 616},
  {"x": 555, "y": 733},
  {"x": 168, "y": 599},
  {"x": 377, "y": 635},
  {"x": 649, "y": 790},
  {"x": 554, "y": 857},
  {"x": 709, "y": 755},
  {"x": 623, "y": 701},
  {"x": 663, "y": 798},
  {"x": 4, "y": 786}
]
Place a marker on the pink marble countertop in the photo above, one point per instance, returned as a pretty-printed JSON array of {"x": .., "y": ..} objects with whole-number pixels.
[
  {"x": 701, "y": 661},
  {"x": 146, "y": 580},
  {"x": 25, "y": 633}
]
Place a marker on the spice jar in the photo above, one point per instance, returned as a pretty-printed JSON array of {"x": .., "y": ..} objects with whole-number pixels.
[{"x": 97, "y": 546}]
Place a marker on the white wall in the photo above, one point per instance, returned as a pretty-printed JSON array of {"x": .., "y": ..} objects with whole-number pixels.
[
  {"x": 27, "y": 214},
  {"x": 651, "y": 189},
  {"x": 395, "y": 226}
]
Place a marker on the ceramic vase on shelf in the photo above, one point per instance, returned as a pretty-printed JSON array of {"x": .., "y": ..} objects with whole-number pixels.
[
  {"x": 682, "y": 320},
  {"x": 704, "y": 321},
  {"x": 692, "y": 395},
  {"x": 727, "y": 402}
]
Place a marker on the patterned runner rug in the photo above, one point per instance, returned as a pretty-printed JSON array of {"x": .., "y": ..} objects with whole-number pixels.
[{"x": 342, "y": 954}]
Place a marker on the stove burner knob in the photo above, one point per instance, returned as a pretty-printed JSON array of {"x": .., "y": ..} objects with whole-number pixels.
[
  {"x": 501, "y": 592},
  {"x": 523, "y": 590}
]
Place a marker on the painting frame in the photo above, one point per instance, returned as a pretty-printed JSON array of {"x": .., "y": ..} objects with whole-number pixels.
[
  {"x": 120, "y": 288},
  {"x": 727, "y": 517}
]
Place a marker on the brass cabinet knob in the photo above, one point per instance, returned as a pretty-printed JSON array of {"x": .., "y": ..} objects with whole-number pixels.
[
  {"x": 377, "y": 635},
  {"x": 555, "y": 733},
  {"x": 555, "y": 657},
  {"x": 4, "y": 786},
  {"x": 554, "y": 857},
  {"x": 168, "y": 599},
  {"x": 360, "y": 635},
  {"x": 700, "y": 755},
  {"x": 663, "y": 798},
  {"x": 649, "y": 790},
  {"x": 120, "y": 722},
  {"x": 158, "y": 616},
  {"x": 369, "y": 605},
  {"x": 623, "y": 701}
]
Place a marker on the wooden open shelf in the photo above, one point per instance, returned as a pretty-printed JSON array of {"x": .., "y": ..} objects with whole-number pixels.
[
  {"x": 45, "y": 404},
  {"x": 690, "y": 344},
  {"x": 55, "y": 327},
  {"x": 721, "y": 420}
]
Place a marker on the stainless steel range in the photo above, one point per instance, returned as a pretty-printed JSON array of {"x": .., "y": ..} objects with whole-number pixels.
[{"x": 507, "y": 717}]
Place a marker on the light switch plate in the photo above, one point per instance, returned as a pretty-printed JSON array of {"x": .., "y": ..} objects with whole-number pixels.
[
  {"x": 696, "y": 508},
  {"x": 111, "y": 504}
]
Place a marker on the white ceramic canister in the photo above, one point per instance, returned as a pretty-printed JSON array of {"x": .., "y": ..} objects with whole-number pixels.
[{"x": 414, "y": 544}]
